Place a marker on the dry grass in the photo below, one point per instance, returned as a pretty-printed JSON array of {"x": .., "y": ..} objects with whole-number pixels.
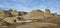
[
  {"x": 44, "y": 23},
  {"x": 38, "y": 25}
]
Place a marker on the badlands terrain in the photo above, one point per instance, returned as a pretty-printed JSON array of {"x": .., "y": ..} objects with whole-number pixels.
[{"x": 34, "y": 19}]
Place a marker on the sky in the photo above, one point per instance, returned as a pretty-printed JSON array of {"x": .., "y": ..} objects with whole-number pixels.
[{"x": 29, "y": 5}]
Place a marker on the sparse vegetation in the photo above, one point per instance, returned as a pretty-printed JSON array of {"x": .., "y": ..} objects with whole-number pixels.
[{"x": 39, "y": 19}]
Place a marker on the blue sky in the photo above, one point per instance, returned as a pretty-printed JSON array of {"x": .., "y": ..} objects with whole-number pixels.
[{"x": 29, "y": 5}]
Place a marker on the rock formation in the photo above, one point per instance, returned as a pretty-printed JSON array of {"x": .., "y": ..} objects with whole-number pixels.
[
  {"x": 47, "y": 13},
  {"x": 14, "y": 12},
  {"x": 37, "y": 14},
  {"x": 10, "y": 19},
  {"x": 2, "y": 13},
  {"x": 34, "y": 19}
]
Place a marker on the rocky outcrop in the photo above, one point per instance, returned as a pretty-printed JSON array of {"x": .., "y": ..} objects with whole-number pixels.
[
  {"x": 10, "y": 19},
  {"x": 37, "y": 14},
  {"x": 14, "y": 12},
  {"x": 47, "y": 13},
  {"x": 2, "y": 14}
]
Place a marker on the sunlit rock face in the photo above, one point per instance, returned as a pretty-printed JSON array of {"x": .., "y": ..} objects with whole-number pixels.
[
  {"x": 36, "y": 14},
  {"x": 10, "y": 19},
  {"x": 2, "y": 13},
  {"x": 14, "y": 12},
  {"x": 47, "y": 13},
  {"x": 54, "y": 15},
  {"x": 8, "y": 14}
]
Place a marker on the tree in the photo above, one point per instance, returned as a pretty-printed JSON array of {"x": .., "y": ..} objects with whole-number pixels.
[{"x": 10, "y": 9}]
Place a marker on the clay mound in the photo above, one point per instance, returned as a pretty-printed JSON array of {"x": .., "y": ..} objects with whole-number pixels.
[{"x": 36, "y": 14}]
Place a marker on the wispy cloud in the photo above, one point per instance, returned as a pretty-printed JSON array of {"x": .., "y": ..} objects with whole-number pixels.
[{"x": 28, "y": 5}]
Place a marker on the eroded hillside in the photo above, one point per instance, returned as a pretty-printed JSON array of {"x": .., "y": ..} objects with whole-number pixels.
[{"x": 34, "y": 19}]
